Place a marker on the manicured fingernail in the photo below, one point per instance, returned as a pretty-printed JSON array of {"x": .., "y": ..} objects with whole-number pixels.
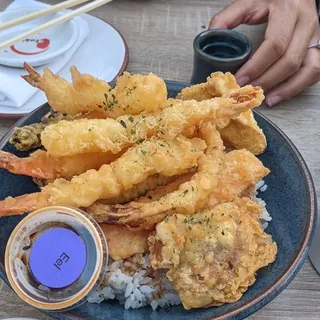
[
  {"x": 271, "y": 101},
  {"x": 243, "y": 81}
]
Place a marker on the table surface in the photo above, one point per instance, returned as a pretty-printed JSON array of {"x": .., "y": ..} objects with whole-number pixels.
[{"x": 159, "y": 35}]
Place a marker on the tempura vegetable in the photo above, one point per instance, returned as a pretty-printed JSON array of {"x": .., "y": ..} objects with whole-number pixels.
[{"x": 212, "y": 257}]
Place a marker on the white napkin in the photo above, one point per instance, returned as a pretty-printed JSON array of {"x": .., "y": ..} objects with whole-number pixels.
[{"x": 16, "y": 92}]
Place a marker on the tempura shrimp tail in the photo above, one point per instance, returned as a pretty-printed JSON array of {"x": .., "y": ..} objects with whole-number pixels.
[
  {"x": 43, "y": 166},
  {"x": 38, "y": 167},
  {"x": 33, "y": 77},
  {"x": 21, "y": 204},
  {"x": 70, "y": 98}
]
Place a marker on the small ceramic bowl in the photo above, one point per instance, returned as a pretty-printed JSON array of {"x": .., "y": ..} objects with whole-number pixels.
[
  {"x": 41, "y": 48},
  {"x": 219, "y": 50}
]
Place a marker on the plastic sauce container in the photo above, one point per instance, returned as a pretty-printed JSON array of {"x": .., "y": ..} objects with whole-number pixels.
[{"x": 56, "y": 258}]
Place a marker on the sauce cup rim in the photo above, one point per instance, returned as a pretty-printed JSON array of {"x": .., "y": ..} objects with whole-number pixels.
[{"x": 201, "y": 35}]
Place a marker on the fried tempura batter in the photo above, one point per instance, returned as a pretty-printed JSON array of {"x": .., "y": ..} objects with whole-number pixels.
[
  {"x": 99, "y": 208},
  {"x": 241, "y": 132},
  {"x": 123, "y": 242},
  {"x": 83, "y": 136},
  {"x": 84, "y": 94},
  {"x": 190, "y": 196},
  {"x": 212, "y": 256},
  {"x": 136, "y": 93},
  {"x": 166, "y": 157},
  {"x": 244, "y": 133},
  {"x": 151, "y": 184},
  {"x": 43, "y": 166},
  {"x": 239, "y": 170},
  {"x": 29, "y": 137},
  {"x": 218, "y": 83}
]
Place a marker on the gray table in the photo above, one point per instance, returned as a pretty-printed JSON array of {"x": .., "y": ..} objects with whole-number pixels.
[{"x": 159, "y": 35}]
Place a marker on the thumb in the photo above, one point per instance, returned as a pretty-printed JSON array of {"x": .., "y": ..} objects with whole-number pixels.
[{"x": 230, "y": 17}]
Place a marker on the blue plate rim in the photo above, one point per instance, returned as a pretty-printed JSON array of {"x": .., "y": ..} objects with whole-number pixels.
[{"x": 286, "y": 277}]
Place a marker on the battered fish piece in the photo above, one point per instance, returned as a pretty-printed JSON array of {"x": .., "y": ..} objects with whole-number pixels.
[
  {"x": 123, "y": 242},
  {"x": 83, "y": 136},
  {"x": 239, "y": 171},
  {"x": 132, "y": 94},
  {"x": 244, "y": 133},
  {"x": 212, "y": 256},
  {"x": 166, "y": 157}
]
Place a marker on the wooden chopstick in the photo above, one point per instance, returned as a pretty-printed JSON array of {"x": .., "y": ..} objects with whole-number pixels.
[
  {"x": 66, "y": 17},
  {"x": 40, "y": 13}
]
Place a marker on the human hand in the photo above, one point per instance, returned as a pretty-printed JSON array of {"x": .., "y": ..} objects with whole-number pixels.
[{"x": 282, "y": 65}]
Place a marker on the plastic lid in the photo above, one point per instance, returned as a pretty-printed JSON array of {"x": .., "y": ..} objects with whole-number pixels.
[{"x": 57, "y": 258}]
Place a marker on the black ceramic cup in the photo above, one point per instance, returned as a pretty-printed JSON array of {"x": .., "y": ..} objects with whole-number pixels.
[{"x": 219, "y": 50}]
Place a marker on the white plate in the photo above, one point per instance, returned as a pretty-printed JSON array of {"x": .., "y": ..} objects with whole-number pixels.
[
  {"x": 39, "y": 49},
  {"x": 111, "y": 53}
]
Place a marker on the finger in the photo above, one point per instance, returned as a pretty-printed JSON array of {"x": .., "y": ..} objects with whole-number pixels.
[
  {"x": 230, "y": 17},
  {"x": 308, "y": 75},
  {"x": 277, "y": 38},
  {"x": 291, "y": 61}
]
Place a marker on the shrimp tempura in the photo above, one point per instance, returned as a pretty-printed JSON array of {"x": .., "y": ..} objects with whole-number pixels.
[
  {"x": 95, "y": 135},
  {"x": 166, "y": 157},
  {"x": 132, "y": 94},
  {"x": 43, "y": 166}
]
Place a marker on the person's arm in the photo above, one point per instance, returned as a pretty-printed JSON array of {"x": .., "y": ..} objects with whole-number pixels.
[{"x": 282, "y": 65}]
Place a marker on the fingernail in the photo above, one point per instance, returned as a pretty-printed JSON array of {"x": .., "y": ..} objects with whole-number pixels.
[
  {"x": 271, "y": 101},
  {"x": 243, "y": 81}
]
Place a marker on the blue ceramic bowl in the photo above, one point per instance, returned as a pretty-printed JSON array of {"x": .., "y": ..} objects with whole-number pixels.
[{"x": 290, "y": 199}]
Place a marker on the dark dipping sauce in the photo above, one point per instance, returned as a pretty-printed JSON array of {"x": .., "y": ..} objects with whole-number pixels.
[{"x": 222, "y": 50}]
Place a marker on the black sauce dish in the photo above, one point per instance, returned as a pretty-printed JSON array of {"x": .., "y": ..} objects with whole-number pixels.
[{"x": 219, "y": 50}]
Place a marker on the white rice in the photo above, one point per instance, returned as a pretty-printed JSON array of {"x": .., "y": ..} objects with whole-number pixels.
[
  {"x": 135, "y": 284},
  {"x": 265, "y": 216}
]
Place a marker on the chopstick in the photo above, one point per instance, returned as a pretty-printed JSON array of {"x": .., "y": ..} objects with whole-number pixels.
[
  {"x": 40, "y": 13},
  {"x": 53, "y": 22}
]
